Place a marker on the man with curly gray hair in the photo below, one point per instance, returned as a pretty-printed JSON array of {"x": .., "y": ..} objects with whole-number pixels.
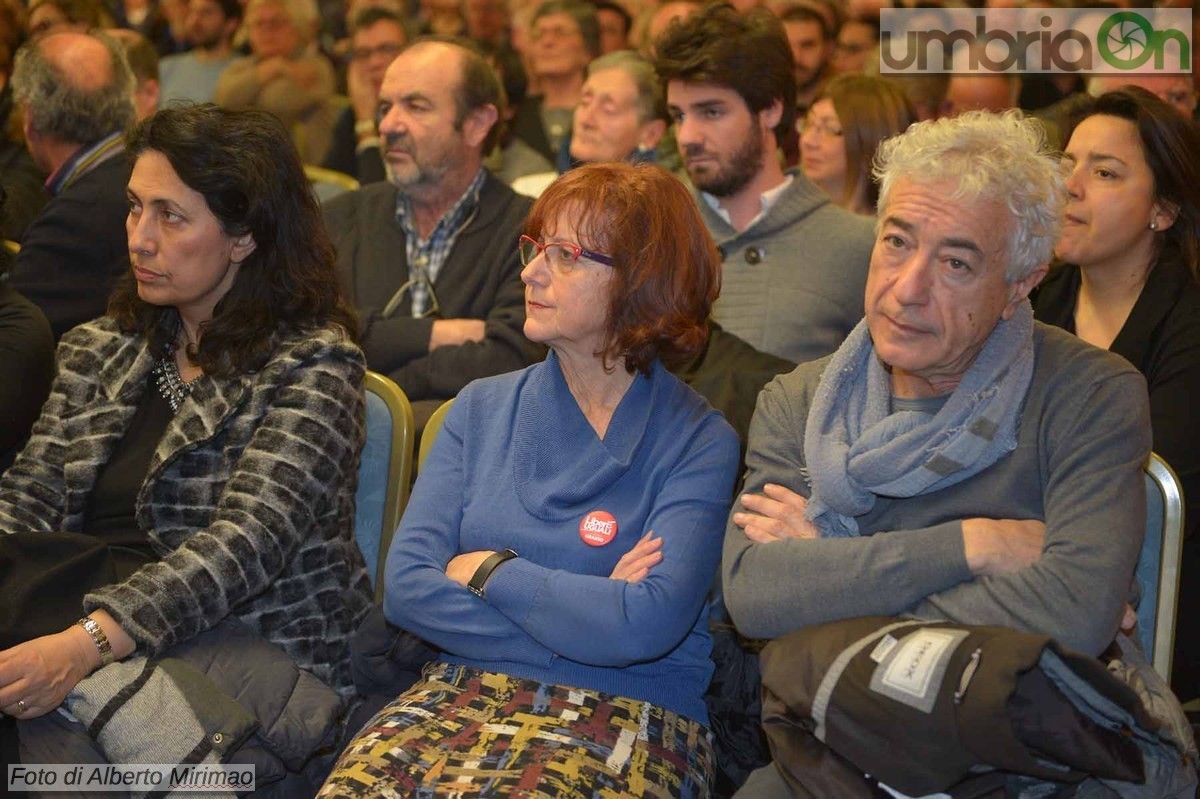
[
  {"x": 76, "y": 93},
  {"x": 953, "y": 459}
]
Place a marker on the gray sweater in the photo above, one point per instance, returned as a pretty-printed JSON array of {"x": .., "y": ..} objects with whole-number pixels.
[
  {"x": 1084, "y": 435},
  {"x": 792, "y": 284}
]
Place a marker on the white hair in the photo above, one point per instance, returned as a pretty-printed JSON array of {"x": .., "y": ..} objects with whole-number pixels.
[
  {"x": 303, "y": 13},
  {"x": 998, "y": 157}
]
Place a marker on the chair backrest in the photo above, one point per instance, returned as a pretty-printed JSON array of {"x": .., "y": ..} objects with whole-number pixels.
[
  {"x": 1158, "y": 566},
  {"x": 384, "y": 472},
  {"x": 431, "y": 430},
  {"x": 329, "y": 183}
]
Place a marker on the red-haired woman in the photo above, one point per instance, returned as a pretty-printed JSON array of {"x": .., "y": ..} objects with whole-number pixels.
[{"x": 567, "y": 525}]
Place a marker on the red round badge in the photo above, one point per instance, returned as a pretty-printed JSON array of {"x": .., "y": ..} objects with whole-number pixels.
[{"x": 598, "y": 528}]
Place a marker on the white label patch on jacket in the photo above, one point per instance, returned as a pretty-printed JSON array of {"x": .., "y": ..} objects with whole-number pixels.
[
  {"x": 886, "y": 644},
  {"x": 913, "y": 671}
]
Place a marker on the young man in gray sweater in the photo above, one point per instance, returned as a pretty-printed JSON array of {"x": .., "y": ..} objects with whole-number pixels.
[{"x": 794, "y": 263}]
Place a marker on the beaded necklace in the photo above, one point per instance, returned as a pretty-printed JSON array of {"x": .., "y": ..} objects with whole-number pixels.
[{"x": 170, "y": 382}]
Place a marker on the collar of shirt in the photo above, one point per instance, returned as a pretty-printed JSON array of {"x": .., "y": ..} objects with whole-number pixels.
[
  {"x": 83, "y": 161},
  {"x": 768, "y": 200},
  {"x": 425, "y": 257}
]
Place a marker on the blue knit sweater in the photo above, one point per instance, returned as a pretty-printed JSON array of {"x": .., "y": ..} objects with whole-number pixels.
[{"x": 518, "y": 466}]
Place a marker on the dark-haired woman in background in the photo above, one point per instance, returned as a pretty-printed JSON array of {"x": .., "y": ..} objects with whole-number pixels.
[
  {"x": 1131, "y": 253},
  {"x": 564, "y": 532},
  {"x": 206, "y": 430}
]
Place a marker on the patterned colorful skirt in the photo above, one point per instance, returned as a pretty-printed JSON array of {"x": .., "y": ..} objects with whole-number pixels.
[{"x": 466, "y": 733}]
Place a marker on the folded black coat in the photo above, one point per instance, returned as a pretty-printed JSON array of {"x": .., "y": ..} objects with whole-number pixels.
[
  {"x": 43, "y": 579},
  {"x": 386, "y": 660},
  {"x": 927, "y": 706}
]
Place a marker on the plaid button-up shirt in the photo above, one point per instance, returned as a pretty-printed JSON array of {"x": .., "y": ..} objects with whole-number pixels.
[{"x": 425, "y": 257}]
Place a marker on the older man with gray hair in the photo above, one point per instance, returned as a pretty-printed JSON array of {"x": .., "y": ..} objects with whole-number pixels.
[
  {"x": 76, "y": 92},
  {"x": 953, "y": 459}
]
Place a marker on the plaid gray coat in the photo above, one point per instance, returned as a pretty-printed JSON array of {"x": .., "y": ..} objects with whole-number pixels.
[{"x": 249, "y": 500}]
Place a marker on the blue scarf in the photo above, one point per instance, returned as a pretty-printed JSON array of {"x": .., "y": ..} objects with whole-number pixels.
[{"x": 857, "y": 449}]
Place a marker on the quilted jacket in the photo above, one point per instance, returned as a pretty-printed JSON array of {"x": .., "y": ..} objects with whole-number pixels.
[{"x": 249, "y": 500}]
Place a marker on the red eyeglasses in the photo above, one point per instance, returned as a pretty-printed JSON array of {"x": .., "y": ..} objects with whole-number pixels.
[{"x": 559, "y": 253}]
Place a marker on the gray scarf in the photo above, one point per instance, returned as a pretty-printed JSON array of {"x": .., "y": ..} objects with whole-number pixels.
[{"x": 857, "y": 449}]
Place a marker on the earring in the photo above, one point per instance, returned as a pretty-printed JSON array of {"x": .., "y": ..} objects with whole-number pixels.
[{"x": 1153, "y": 225}]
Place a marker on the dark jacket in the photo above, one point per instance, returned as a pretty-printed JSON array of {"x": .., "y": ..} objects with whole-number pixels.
[
  {"x": 20, "y": 180},
  {"x": 24, "y": 192},
  {"x": 481, "y": 279},
  {"x": 343, "y": 154},
  {"x": 1160, "y": 338},
  {"x": 26, "y": 368},
  {"x": 73, "y": 251},
  {"x": 926, "y": 706},
  {"x": 527, "y": 126},
  {"x": 225, "y": 696},
  {"x": 249, "y": 500},
  {"x": 729, "y": 373}
]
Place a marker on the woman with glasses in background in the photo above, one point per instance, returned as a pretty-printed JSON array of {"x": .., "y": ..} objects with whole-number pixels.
[
  {"x": 565, "y": 529},
  {"x": 844, "y": 127}
]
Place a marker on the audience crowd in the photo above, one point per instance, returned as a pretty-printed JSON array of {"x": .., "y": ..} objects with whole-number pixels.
[{"x": 761, "y": 359}]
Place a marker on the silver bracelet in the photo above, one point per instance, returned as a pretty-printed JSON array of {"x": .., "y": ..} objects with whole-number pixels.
[{"x": 98, "y": 638}]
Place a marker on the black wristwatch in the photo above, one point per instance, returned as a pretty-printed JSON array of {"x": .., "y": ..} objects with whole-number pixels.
[{"x": 484, "y": 572}]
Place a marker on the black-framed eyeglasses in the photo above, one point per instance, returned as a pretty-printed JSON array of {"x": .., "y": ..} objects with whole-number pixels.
[
  {"x": 389, "y": 50},
  {"x": 558, "y": 253}
]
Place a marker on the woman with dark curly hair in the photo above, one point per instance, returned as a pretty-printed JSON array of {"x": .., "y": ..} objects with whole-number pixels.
[
  {"x": 204, "y": 435},
  {"x": 565, "y": 529},
  {"x": 1130, "y": 283}
]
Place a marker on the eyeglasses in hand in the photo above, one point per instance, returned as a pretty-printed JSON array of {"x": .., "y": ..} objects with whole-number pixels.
[{"x": 421, "y": 277}]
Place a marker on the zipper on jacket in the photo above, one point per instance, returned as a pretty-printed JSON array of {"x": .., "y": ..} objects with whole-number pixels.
[{"x": 968, "y": 673}]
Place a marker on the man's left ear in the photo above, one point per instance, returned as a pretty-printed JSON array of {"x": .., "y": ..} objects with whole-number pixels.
[
  {"x": 478, "y": 123},
  {"x": 243, "y": 245},
  {"x": 1018, "y": 290}
]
